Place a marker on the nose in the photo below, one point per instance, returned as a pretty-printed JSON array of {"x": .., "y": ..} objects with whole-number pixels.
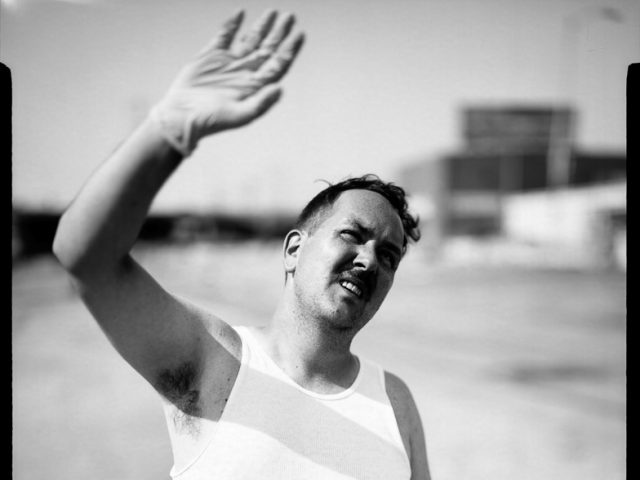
[{"x": 366, "y": 258}]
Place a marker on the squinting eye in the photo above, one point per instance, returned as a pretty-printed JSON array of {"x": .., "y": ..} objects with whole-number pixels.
[
  {"x": 350, "y": 234},
  {"x": 390, "y": 260}
]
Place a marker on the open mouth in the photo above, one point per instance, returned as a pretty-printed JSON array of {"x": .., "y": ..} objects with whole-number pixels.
[{"x": 347, "y": 285}]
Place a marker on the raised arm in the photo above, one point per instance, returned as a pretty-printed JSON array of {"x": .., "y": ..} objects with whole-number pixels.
[{"x": 228, "y": 84}]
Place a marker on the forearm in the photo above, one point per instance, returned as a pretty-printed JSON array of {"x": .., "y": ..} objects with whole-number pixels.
[{"x": 98, "y": 230}]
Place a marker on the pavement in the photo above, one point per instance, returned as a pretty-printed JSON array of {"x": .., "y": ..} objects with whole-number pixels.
[{"x": 518, "y": 372}]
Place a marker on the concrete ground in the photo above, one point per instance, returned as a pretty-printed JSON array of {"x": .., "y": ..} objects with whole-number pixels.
[{"x": 519, "y": 373}]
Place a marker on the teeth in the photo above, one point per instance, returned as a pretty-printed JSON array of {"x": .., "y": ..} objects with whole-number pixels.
[{"x": 351, "y": 287}]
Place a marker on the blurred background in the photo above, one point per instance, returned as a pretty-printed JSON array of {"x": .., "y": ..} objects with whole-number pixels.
[{"x": 504, "y": 120}]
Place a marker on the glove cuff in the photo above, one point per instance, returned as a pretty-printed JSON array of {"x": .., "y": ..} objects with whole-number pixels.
[{"x": 178, "y": 133}]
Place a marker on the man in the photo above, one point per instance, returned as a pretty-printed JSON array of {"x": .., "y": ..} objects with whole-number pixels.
[{"x": 288, "y": 400}]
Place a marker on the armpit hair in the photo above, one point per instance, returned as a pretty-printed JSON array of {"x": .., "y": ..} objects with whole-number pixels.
[{"x": 180, "y": 387}]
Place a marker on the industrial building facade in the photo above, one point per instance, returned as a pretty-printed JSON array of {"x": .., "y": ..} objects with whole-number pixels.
[{"x": 512, "y": 161}]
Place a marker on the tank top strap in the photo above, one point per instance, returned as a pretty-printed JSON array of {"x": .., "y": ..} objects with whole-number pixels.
[{"x": 373, "y": 382}]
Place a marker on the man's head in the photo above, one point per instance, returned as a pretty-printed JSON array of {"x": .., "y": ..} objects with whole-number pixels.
[
  {"x": 315, "y": 211},
  {"x": 345, "y": 249}
]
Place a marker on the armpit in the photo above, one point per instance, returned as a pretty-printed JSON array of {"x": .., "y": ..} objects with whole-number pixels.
[{"x": 180, "y": 387}]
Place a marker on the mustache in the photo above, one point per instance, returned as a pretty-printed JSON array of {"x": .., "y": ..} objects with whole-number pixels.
[{"x": 363, "y": 279}]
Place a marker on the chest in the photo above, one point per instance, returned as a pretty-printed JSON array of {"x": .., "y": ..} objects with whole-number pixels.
[{"x": 270, "y": 429}]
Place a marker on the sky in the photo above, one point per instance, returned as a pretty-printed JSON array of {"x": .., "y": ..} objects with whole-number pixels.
[{"x": 378, "y": 86}]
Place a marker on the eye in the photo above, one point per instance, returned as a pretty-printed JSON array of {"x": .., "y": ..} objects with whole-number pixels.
[
  {"x": 350, "y": 235},
  {"x": 389, "y": 259}
]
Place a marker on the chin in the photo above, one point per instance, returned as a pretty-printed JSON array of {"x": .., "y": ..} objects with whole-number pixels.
[{"x": 345, "y": 320}]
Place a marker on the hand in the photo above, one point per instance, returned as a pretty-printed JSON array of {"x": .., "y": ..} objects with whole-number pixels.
[{"x": 226, "y": 86}]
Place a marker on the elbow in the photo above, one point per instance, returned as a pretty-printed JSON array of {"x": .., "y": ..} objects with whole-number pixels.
[
  {"x": 81, "y": 254},
  {"x": 67, "y": 248},
  {"x": 63, "y": 248}
]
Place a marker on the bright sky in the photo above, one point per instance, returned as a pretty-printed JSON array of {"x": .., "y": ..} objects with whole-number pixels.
[{"x": 378, "y": 85}]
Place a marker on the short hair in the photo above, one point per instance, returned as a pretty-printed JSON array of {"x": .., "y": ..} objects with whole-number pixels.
[{"x": 310, "y": 216}]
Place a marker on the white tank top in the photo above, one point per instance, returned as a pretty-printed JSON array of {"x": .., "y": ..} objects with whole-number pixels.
[{"x": 272, "y": 428}]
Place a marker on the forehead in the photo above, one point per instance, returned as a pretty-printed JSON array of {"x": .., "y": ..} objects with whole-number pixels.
[{"x": 369, "y": 209}]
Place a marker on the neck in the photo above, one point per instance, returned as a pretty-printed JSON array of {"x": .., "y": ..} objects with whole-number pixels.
[{"x": 309, "y": 351}]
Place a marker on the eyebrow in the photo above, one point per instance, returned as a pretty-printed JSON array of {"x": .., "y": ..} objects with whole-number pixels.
[{"x": 386, "y": 243}]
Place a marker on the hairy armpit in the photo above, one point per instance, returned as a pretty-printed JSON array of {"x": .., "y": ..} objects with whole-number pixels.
[{"x": 180, "y": 387}]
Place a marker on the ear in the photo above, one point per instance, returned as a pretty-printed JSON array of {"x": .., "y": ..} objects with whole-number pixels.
[{"x": 292, "y": 243}]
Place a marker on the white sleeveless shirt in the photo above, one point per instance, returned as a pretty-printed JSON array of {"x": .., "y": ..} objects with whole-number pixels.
[{"x": 272, "y": 428}]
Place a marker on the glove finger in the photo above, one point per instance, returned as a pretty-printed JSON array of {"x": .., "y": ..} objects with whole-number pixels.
[
  {"x": 278, "y": 34},
  {"x": 252, "y": 39},
  {"x": 275, "y": 68},
  {"x": 224, "y": 38}
]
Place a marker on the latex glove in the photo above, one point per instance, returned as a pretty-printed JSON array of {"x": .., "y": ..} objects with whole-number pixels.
[{"x": 228, "y": 84}]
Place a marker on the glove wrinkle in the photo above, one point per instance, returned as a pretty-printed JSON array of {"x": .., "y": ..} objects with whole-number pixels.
[{"x": 208, "y": 94}]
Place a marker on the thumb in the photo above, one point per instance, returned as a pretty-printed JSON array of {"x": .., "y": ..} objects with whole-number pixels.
[{"x": 257, "y": 104}]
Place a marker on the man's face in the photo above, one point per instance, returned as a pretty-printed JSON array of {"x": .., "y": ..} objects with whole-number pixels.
[{"x": 346, "y": 267}]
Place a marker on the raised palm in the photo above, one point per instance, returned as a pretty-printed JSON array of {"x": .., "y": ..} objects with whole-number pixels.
[{"x": 230, "y": 82}]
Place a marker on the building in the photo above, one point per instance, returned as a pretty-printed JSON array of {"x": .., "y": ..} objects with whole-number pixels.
[{"x": 513, "y": 162}]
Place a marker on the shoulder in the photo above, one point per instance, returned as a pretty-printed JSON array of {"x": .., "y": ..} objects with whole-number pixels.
[
  {"x": 217, "y": 336},
  {"x": 409, "y": 424},
  {"x": 403, "y": 404},
  {"x": 396, "y": 388}
]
